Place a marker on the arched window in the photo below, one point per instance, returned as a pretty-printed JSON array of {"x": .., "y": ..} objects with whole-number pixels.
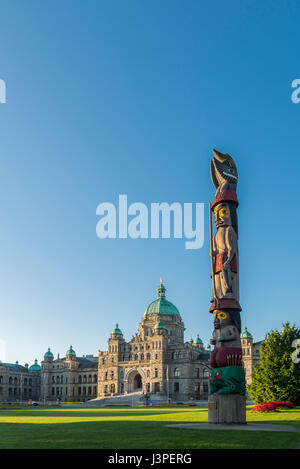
[
  {"x": 176, "y": 372},
  {"x": 136, "y": 357},
  {"x": 148, "y": 356},
  {"x": 80, "y": 379},
  {"x": 205, "y": 373},
  {"x": 142, "y": 356},
  {"x": 106, "y": 375},
  {"x": 95, "y": 378},
  {"x": 196, "y": 372}
]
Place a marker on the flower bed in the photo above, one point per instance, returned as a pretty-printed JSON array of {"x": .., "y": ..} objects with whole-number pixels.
[{"x": 272, "y": 406}]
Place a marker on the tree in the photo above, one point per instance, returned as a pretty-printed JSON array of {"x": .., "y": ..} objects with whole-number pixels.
[{"x": 277, "y": 377}]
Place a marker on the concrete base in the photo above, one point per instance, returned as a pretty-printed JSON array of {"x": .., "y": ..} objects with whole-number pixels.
[{"x": 226, "y": 408}]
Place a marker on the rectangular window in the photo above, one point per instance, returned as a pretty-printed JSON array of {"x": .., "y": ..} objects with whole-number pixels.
[{"x": 176, "y": 387}]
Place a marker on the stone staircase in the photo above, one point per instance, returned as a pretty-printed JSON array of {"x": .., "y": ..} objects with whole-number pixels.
[
  {"x": 119, "y": 399},
  {"x": 131, "y": 399}
]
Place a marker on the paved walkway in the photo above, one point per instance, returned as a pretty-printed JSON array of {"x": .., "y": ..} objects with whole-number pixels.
[{"x": 249, "y": 426}]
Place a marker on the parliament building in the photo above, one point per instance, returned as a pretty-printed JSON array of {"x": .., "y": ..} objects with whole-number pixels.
[{"x": 157, "y": 362}]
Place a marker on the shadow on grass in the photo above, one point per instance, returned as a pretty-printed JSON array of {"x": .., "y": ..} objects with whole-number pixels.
[
  {"x": 136, "y": 435},
  {"x": 90, "y": 412}
]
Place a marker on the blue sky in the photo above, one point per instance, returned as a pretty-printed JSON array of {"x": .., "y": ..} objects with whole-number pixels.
[{"x": 113, "y": 97}]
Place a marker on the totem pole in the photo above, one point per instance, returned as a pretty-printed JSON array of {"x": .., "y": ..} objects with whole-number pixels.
[{"x": 227, "y": 401}]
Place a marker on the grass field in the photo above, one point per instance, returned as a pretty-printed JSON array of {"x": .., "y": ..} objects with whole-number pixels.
[{"x": 134, "y": 428}]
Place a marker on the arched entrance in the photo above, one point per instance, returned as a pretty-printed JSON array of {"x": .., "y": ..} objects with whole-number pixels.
[
  {"x": 137, "y": 382},
  {"x": 134, "y": 381}
]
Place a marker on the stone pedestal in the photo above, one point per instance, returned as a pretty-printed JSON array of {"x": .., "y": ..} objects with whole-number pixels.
[{"x": 227, "y": 408}]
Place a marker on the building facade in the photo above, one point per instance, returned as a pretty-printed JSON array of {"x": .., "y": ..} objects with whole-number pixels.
[
  {"x": 68, "y": 379},
  {"x": 19, "y": 383},
  {"x": 251, "y": 354},
  {"x": 156, "y": 360}
]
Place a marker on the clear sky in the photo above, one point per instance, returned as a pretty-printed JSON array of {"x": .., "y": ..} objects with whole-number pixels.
[{"x": 129, "y": 97}]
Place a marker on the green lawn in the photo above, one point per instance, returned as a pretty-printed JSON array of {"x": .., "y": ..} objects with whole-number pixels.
[{"x": 122, "y": 428}]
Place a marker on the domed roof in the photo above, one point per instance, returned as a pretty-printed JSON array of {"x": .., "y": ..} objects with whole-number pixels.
[
  {"x": 161, "y": 305},
  {"x": 36, "y": 366},
  {"x": 246, "y": 334},
  {"x": 117, "y": 330},
  {"x": 48, "y": 354},
  {"x": 159, "y": 325},
  {"x": 198, "y": 340},
  {"x": 71, "y": 351}
]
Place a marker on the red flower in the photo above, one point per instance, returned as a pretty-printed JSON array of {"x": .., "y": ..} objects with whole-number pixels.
[{"x": 271, "y": 406}]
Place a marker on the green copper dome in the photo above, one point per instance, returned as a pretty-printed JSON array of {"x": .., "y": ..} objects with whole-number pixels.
[
  {"x": 198, "y": 340},
  {"x": 48, "y": 354},
  {"x": 245, "y": 334},
  {"x": 117, "y": 330},
  {"x": 36, "y": 366},
  {"x": 71, "y": 351},
  {"x": 161, "y": 305}
]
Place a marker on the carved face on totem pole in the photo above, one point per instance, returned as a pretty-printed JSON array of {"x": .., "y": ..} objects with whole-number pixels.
[
  {"x": 227, "y": 325},
  {"x": 222, "y": 215},
  {"x": 222, "y": 319}
]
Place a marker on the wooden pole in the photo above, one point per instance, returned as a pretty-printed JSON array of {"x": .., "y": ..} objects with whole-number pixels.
[{"x": 211, "y": 255}]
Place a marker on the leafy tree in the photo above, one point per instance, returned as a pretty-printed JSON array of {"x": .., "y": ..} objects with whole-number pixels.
[{"x": 277, "y": 378}]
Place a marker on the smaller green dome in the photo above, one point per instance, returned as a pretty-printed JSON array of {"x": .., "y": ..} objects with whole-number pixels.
[
  {"x": 245, "y": 334},
  {"x": 71, "y": 351},
  {"x": 198, "y": 340},
  {"x": 159, "y": 325},
  {"x": 48, "y": 354},
  {"x": 35, "y": 367},
  {"x": 117, "y": 330}
]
